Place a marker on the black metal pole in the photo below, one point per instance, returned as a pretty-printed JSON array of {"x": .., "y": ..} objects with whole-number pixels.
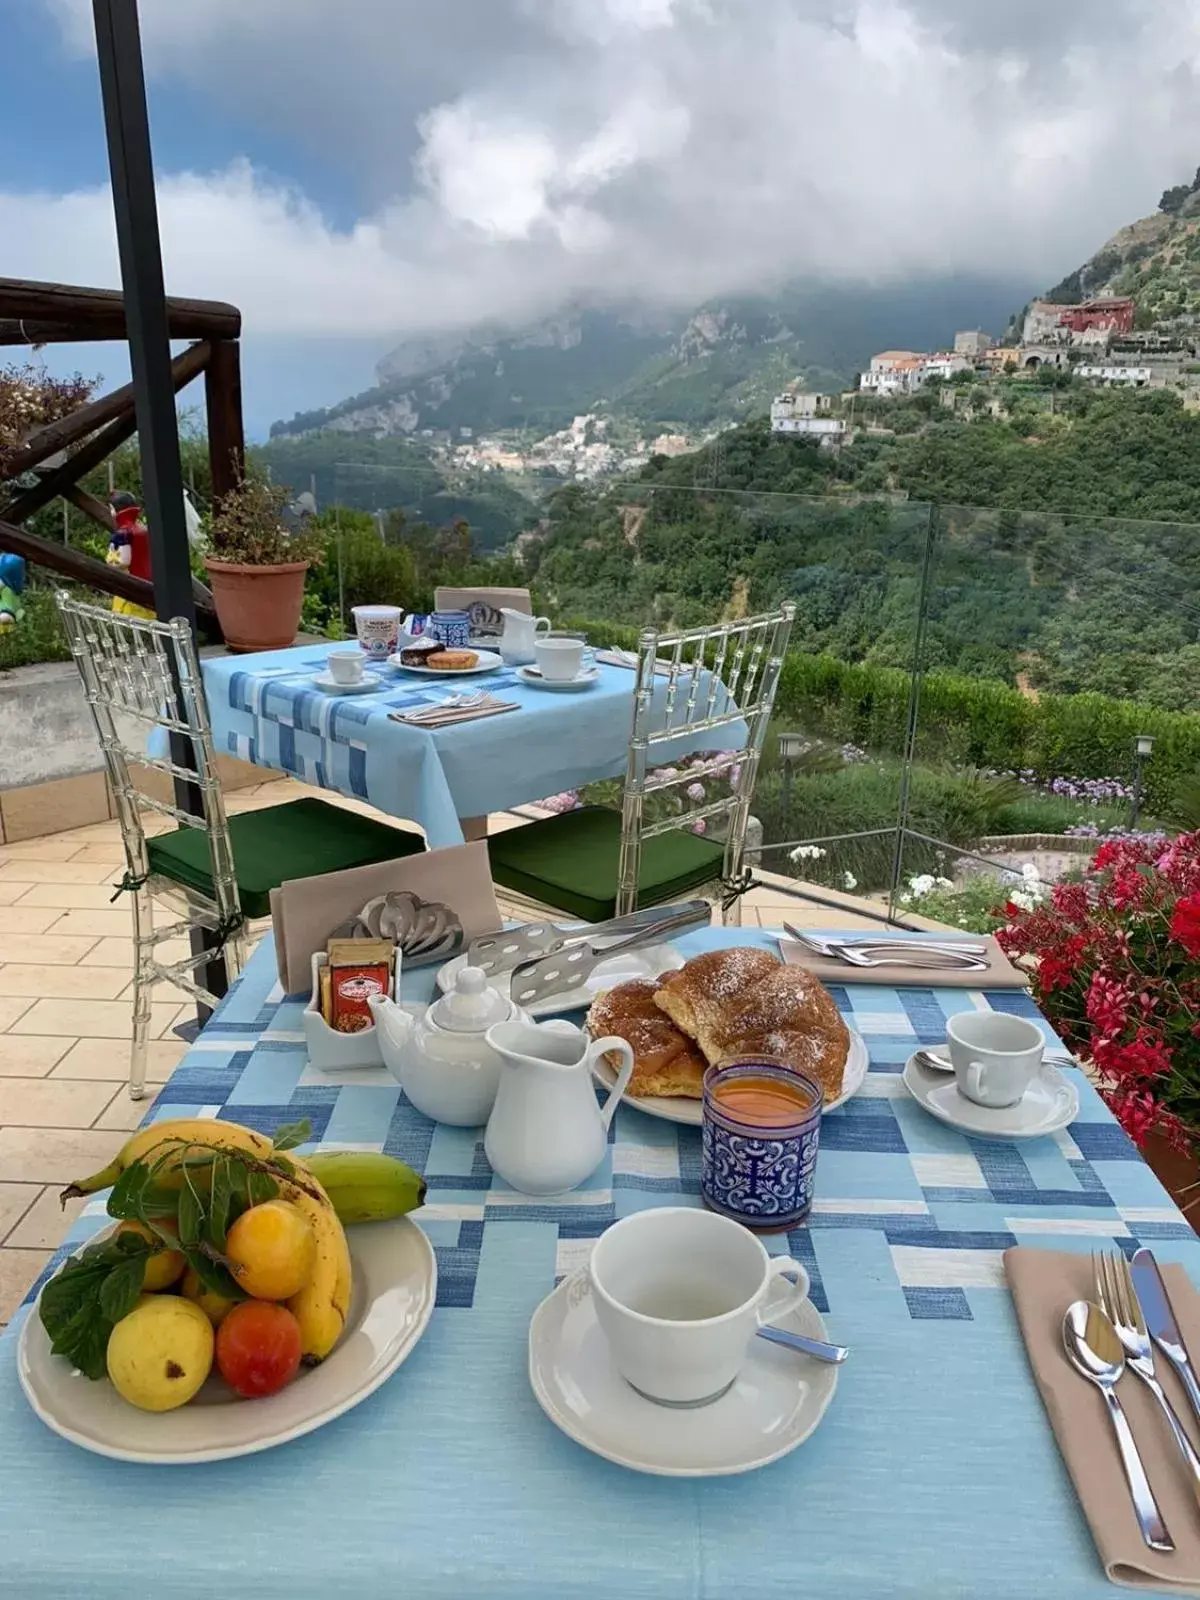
[{"x": 127, "y": 123}]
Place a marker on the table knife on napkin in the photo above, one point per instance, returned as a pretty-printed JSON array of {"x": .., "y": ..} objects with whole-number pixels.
[{"x": 1160, "y": 1321}]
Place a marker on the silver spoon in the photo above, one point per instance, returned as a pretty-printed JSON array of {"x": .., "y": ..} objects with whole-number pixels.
[
  {"x": 1095, "y": 1352},
  {"x": 835, "y": 1354},
  {"x": 937, "y": 1063}
]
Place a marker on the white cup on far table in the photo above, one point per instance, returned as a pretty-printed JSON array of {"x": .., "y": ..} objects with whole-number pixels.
[
  {"x": 679, "y": 1294},
  {"x": 558, "y": 659},
  {"x": 345, "y": 665},
  {"x": 996, "y": 1057},
  {"x": 378, "y": 630}
]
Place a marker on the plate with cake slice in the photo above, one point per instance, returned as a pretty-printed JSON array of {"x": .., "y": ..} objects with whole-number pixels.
[
  {"x": 432, "y": 660},
  {"x": 719, "y": 1004}
]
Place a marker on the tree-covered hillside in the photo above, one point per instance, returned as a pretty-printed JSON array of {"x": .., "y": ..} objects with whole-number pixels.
[{"x": 1062, "y": 554}]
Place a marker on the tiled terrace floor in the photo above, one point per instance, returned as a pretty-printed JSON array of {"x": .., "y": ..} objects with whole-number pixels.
[{"x": 66, "y": 955}]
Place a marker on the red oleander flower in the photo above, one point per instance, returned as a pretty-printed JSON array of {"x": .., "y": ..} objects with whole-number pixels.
[
  {"x": 1185, "y": 924},
  {"x": 1116, "y": 962}
]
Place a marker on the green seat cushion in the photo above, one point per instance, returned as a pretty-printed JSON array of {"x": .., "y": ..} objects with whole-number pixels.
[
  {"x": 303, "y": 839},
  {"x": 571, "y": 861}
]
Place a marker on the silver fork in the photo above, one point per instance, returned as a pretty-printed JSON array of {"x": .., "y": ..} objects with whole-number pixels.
[{"x": 1118, "y": 1299}]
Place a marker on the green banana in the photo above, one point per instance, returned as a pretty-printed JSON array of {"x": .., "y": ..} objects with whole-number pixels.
[{"x": 366, "y": 1186}]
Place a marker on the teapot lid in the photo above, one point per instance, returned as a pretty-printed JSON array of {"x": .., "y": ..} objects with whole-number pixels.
[{"x": 472, "y": 1006}]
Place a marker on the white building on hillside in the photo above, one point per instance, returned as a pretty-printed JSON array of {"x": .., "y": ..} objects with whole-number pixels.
[
  {"x": 1127, "y": 377},
  {"x": 807, "y": 416},
  {"x": 974, "y": 344}
]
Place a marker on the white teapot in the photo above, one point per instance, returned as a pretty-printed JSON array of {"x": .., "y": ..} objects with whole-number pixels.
[
  {"x": 520, "y": 632},
  {"x": 442, "y": 1059},
  {"x": 546, "y": 1132}
]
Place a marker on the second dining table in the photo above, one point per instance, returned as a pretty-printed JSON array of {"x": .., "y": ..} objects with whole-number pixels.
[{"x": 267, "y": 710}]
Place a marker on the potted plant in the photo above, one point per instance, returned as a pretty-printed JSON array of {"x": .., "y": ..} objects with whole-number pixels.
[
  {"x": 256, "y": 566},
  {"x": 1116, "y": 958}
]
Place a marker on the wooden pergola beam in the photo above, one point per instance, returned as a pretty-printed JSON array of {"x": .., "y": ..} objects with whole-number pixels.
[
  {"x": 100, "y": 313},
  {"x": 97, "y": 449},
  {"x": 85, "y": 569},
  {"x": 56, "y": 436}
]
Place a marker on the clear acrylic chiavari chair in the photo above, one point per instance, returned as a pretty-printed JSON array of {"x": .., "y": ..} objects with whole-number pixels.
[
  {"x": 717, "y": 679},
  {"x": 139, "y": 675},
  {"x": 708, "y": 689}
]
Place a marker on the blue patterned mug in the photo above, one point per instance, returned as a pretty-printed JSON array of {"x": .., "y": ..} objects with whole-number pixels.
[
  {"x": 761, "y": 1127},
  {"x": 452, "y": 628}
]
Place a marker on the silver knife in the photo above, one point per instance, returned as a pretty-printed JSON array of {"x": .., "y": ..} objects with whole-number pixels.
[{"x": 1160, "y": 1321}]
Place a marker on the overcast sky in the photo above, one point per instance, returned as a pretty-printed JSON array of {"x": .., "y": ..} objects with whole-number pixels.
[{"x": 348, "y": 170}]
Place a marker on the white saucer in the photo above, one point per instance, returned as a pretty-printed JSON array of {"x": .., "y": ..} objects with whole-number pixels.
[
  {"x": 777, "y": 1401},
  {"x": 1051, "y": 1102},
  {"x": 368, "y": 682},
  {"x": 488, "y": 662},
  {"x": 537, "y": 680},
  {"x": 677, "y": 1108},
  {"x": 645, "y": 963}
]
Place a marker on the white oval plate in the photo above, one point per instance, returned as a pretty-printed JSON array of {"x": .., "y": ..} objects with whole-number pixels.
[
  {"x": 649, "y": 962},
  {"x": 1051, "y": 1102},
  {"x": 676, "y": 1108},
  {"x": 777, "y": 1401},
  {"x": 535, "y": 680},
  {"x": 395, "y": 1284},
  {"x": 488, "y": 662}
]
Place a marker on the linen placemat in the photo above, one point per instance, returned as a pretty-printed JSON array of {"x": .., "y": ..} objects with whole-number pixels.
[
  {"x": 1000, "y": 973},
  {"x": 1043, "y": 1285}
]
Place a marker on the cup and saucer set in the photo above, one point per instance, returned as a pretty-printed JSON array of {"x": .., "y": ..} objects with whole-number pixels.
[
  {"x": 561, "y": 663},
  {"x": 992, "y": 1079}
]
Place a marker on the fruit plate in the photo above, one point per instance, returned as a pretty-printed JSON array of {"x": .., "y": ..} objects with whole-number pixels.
[
  {"x": 677, "y": 1109},
  {"x": 395, "y": 1284}
]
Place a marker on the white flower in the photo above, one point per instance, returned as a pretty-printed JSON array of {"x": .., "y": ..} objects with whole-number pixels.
[
  {"x": 1030, "y": 873},
  {"x": 849, "y": 881},
  {"x": 923, "y": 883},
  {"x": 906, "y": 899},
  {"x": 945, "y": 883},
  {"x": 1026, "y": 901},
  {"x": 806, "y": 852}
]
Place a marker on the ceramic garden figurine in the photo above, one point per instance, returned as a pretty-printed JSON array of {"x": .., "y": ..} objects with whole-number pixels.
[{"x": 12, "y": 585}]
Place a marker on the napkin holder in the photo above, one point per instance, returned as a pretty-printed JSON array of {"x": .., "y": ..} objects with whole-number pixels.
[{"x": 330, "y": 1050}]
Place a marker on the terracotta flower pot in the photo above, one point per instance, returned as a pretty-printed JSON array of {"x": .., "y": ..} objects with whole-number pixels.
[{"x": 258, "y": 607}]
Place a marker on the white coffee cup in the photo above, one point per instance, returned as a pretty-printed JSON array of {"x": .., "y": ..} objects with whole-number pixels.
[
  {"x": 345, "y": 665},
  {"x": 996, "y": 1057},
  {"x": 559, "y": 660},
  {"x": 679, "y": 1293}
]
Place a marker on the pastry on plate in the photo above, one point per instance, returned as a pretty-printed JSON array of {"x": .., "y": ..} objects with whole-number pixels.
[
  {"x": 417, "y": 653},
  {"x": 744, "y": 1000},
  {"x": 665, "y": 1061},
  {"x": 453, "y": 660}
]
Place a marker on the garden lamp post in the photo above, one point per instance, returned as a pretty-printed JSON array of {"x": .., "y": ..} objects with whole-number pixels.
[
  {"x": 1142, "y": 746},
  {"x": 791, "y": 747}
]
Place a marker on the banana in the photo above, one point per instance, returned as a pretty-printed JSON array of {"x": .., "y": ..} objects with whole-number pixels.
[
  {"x": 205, "y": 1132},
  {"x": 366, "y": 1186},
  {"x": 322, "y": 1306}
]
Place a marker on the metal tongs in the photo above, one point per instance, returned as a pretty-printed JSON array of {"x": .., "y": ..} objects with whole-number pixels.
[
  {"x": 501, "y": 952},
  {"x": 567, "y": 968}
]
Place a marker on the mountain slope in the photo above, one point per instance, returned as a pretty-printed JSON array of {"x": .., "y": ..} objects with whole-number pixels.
[
  {"x": 1155, "y": 261},
  {"x": 721, "y": 364}
]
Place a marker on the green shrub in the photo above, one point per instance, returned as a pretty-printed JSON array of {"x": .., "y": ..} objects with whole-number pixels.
[{"x": 38, "y": 636}]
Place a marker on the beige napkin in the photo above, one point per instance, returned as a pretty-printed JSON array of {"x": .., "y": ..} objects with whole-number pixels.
[
  {"x": 1043, "y": 1284},
  {"x": 305, "y": 911},
  {"x": 1000, "y": 974}
]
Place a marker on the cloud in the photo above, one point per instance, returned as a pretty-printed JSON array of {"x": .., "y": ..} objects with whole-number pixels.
[{"x": 514, "y": 156}]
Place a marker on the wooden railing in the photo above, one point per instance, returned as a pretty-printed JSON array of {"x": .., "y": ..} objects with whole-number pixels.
[{"x": 47, "y": 313}]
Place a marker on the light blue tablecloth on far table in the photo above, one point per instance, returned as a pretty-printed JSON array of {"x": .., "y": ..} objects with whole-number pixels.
[
  {"x": 266, "y": 710},
  {"x": 934, "y": 1475}
]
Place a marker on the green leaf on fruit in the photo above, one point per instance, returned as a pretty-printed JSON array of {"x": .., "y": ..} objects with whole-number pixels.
[
  {"x": 120, "y": 1289},
  {"x": 128, "y": 1192},
  {"x": 220, "y": 1202},
  {"x": 290, "y": 1134},
  {"x": 262, "y": 1187},
  {"x": 189, "y": 1213}
]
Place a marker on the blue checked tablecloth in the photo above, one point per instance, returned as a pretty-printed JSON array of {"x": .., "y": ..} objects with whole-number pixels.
[
  {"x": 265, "y": 709},
  {"x": 934, "y": 1474}
]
